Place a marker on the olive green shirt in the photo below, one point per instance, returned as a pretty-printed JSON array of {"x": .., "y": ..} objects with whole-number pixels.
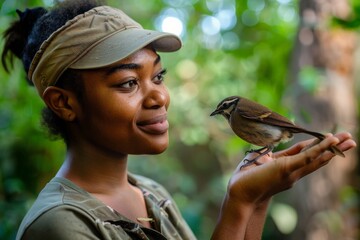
[{"x": 65, "y": 211}]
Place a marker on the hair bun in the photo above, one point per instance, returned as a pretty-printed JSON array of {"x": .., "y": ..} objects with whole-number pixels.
[
  {"x": 17, "y": 35},
  {"x": 28, "y": 19}
]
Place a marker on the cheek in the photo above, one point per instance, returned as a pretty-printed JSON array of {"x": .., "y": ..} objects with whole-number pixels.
[{"x": 106, "y": 110}]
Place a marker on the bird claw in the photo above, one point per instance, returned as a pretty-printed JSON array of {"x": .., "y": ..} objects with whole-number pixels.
[{"x": 247, "y": 162}]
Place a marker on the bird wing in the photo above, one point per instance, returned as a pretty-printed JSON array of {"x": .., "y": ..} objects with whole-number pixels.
[{"x": 252, "y": 110}]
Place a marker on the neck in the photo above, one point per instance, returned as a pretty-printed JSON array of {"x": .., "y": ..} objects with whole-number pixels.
[
  {"x": 103, "y": 174},
  {"x": 93, "y": 171}
]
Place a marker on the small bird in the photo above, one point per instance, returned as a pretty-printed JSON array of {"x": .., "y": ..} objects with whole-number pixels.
[{"x": 260, "y": 126}]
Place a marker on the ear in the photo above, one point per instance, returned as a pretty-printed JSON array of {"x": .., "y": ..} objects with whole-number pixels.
[{"x": 62, "y": 102}]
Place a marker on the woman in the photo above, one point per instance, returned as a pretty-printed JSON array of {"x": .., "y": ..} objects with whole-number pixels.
[{"x": 100, "y": 76}]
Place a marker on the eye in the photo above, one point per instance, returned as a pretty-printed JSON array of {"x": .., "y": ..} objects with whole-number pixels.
[
  {"x": 159, "y": 78},
  {"x": 128, "y": 85}
]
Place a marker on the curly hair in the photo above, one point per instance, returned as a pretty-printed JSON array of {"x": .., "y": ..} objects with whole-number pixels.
[{"x": 24, "y": 38}]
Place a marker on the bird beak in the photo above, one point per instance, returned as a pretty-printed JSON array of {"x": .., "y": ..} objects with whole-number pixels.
[{"x": 217, "y": 111}]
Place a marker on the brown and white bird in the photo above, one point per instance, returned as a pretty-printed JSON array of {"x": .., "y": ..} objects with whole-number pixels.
[{"x": 260, "y": 126}]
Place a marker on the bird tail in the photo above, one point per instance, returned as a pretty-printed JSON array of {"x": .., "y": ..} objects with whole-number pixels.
[
  {"x": 321, "y": 137},
  {"x": 315, "y": 134}
]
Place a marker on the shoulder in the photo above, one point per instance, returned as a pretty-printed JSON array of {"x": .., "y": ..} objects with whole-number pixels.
[
  {"x": 62, "y": 222},
  {"x": 62, "y": 205}
]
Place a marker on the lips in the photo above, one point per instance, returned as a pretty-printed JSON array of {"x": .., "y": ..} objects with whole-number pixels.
[{"x": 155, "y": 125}]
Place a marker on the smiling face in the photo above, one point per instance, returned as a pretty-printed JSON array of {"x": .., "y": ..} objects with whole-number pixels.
[{"x": 124, "y": 108}]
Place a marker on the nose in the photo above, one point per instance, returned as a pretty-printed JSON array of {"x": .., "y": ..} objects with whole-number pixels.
[{"x": 157, "y": 98}]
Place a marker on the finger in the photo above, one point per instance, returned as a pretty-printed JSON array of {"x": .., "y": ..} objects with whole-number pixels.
[
  {"x": 346, "y": 141},
  {"x": 295, "y": 149},
  {"x": 347, "y": 145},
  {"x": 311, "y": 154},
  {"x": 313, "y": 166},
  {"x": 343, "y": 136},
  {"x": 325, "y": 157}
]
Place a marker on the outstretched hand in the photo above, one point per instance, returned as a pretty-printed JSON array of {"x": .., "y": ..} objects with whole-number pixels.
[
  {"x": 251, "y": 187},
  {"x": 280, "y": 170}
]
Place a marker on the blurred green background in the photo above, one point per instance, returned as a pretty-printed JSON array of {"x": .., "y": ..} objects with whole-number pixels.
[{"x": 299, "y": 58}]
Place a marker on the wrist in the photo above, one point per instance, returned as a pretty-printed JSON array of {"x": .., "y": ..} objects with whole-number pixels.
[
  {"x": 236, "y": 216},
  {"x": 263, "y": 205}
]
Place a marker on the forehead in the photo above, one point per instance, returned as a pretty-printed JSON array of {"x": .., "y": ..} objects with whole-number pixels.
[{"x": 143, "y": 56}]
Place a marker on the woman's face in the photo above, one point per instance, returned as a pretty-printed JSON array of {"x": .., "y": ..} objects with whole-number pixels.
[{"x": 125, "y": 106}]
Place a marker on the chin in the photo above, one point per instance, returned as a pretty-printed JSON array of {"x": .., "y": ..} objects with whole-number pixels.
[
  {"x": 159, "y": 145},
  {"x": 159, "y": 149}
]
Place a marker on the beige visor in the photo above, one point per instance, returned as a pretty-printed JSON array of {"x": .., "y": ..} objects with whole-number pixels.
[{"x": 95, "y": 39}]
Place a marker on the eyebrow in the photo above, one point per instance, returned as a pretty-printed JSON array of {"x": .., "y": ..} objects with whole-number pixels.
[{"x": 129, "y": 66}]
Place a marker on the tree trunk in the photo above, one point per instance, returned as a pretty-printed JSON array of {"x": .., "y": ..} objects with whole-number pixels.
[{"x": 322, "y": 94}]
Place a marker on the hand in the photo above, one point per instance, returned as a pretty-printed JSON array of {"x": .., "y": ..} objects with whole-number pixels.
[
  {"x": 279, "y": 171},
  {"x": 250, "y": 188}
]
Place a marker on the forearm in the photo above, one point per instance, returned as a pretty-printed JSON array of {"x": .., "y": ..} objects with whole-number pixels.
[
  {"x": 256, "y": 222},
  {"x": 233, "y": 220}
]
